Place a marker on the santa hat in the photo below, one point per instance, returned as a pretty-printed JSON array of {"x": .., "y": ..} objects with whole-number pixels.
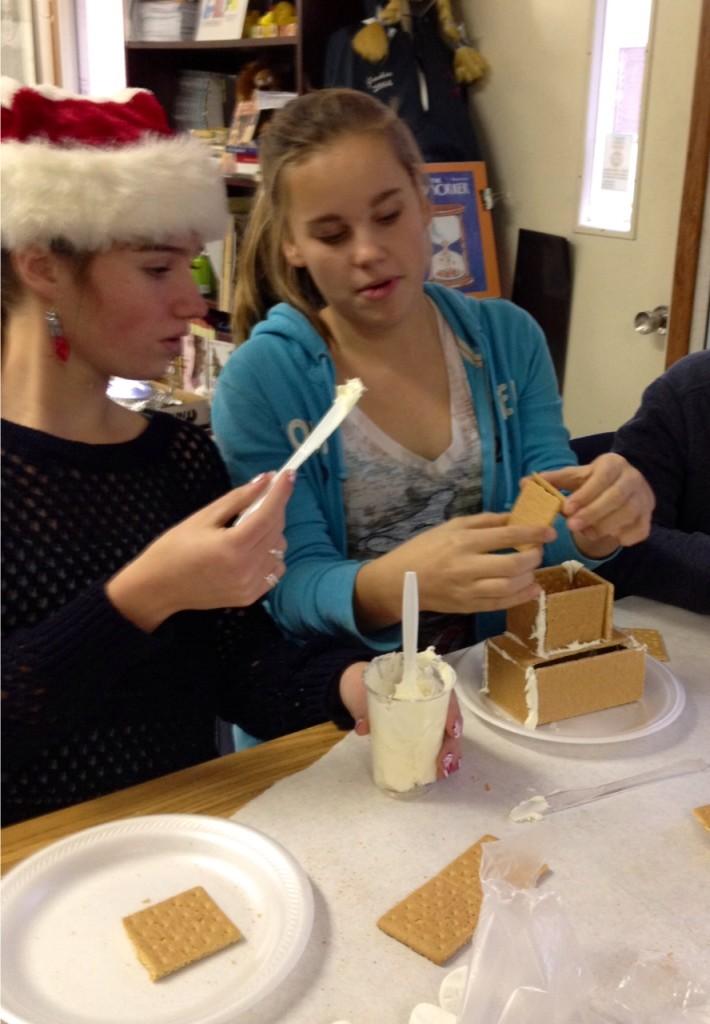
[{"x": 95, "y": 172}]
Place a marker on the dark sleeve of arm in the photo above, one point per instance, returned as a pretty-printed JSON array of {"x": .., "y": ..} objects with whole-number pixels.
[
  {"x": 56, "y": 671},
  {"x": 671, "y": 565},
  {"x": 270, "y": 686}
]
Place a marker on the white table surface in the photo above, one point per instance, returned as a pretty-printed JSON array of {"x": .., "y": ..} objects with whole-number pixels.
[{"x": 632, "y": 869}]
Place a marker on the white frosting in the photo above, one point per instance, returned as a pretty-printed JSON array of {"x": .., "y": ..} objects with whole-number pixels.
[
  {"x": 451, "y": 996},
  {"x": 503, "y": 653},
  {"x": 426, "y": 683},
  {"x": 499, "y": 650},
  {"x": 530, "y": 810},
  {"x": 349, "y": 393},
  {"x": 531, "y": 698},
  {"x": 406, "y": 732},
  {"x": 539, "y": 630},
  {"x": 571, "y": 567},
  {"x": 452, "y": 990},
  {"x": 572, "y": 647},
  {"x": 427, "y": 1013}
]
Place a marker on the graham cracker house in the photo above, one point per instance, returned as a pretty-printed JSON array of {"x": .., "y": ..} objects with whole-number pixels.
[{"x": 560, "y": 655}]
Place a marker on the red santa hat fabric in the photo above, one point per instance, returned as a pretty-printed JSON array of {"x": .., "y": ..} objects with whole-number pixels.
[{"x": 96, "y": 172}]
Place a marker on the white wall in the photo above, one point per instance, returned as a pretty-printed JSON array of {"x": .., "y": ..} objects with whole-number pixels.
[
  {"x": 529, "y": 111},
  {"x": 530, "y": 116}
]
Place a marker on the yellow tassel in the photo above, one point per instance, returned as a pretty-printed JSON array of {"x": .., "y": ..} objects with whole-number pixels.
[
  {"x": 371, "y": 42},
  {"x": 447, "y": 26},
  {"x": 469, "y": 65},
  {"x": 391, "y": 13}
]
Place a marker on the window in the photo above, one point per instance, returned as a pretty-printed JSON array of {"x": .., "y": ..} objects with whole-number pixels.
[
  {"x": 617, "y": 88},
  {"x": 101, "y": 59}
]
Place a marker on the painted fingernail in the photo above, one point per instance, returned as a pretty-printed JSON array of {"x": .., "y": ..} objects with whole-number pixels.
[
  {"x": 292, "y": 474},
  {"x": 456, "y": 728}
]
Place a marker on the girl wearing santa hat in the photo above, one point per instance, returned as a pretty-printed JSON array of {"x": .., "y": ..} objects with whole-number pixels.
[{"x": 128, "y": 616}]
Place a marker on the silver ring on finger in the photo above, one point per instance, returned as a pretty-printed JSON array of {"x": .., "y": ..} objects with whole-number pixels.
[
  {"x": 277, "y": 553},
  {"x": 271, "y": 578}
]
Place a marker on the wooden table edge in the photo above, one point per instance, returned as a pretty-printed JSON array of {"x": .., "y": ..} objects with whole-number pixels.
[{"x": 219, "y": 787}]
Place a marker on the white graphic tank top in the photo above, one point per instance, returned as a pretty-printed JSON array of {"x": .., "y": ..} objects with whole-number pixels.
[{"x": 392, "y": 494}]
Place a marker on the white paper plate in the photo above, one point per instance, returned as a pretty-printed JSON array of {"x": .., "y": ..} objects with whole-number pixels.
[
  {"x": 662, "y": 702},
  {"x": 66, "y": 958}
]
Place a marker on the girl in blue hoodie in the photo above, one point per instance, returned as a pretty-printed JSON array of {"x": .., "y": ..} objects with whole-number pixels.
[{"x": 461, "y": 398}]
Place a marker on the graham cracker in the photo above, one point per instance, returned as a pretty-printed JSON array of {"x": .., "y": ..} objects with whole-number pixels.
[
  {"x": 652, "y": 641},
  {"x": 604, "y": 675},
  {"x": 176, "y": 932},
  {"x": 577, "y": 606},
  {"x": 537, "y": 505},
  {"x": 439, "y": 917},
  {"x": 703, "y": 816}
]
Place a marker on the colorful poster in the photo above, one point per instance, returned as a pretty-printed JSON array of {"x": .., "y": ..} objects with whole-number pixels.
[{"x": 463, "y": 246}]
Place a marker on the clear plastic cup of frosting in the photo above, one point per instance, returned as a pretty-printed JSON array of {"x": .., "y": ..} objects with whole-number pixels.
[{"x": 407, "y": 727}]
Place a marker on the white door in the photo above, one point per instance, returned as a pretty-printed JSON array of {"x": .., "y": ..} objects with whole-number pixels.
[{"x": 531, "y": 117}]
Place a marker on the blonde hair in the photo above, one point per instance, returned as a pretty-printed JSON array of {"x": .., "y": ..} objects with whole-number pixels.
[{"x": 303, "y": 127}]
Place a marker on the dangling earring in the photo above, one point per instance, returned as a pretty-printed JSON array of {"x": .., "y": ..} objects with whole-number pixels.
[{"x": 56, "y": 333}]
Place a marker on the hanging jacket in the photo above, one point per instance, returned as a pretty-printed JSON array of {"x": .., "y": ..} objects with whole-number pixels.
[{"x": 416, "y": 79}]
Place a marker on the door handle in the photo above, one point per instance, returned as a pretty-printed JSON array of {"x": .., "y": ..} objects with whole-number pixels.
[{"x": 650, "y": 321}]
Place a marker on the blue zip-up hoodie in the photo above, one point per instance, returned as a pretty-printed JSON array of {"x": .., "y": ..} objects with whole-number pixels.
[{"x": 276, "y": 387}]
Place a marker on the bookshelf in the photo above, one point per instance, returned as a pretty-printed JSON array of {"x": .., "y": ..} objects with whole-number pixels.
[
  {"x": 213, "y": 44},
  {"x": 299, "y": 58}
]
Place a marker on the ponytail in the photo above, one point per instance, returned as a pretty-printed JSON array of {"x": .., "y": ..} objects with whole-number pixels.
[{"x": 253, "y": 295}]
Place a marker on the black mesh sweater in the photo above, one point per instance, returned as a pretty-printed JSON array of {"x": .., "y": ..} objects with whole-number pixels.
[{"x": 91, "y": 703}]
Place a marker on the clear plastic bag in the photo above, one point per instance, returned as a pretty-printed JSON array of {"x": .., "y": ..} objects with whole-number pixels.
[
  {"x": 526, "y": 966},
  {"x": 657, "y": 990}
]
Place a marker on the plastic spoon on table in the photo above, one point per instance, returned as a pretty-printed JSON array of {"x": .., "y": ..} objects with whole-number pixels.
[
  {"x": 535, "y": 807},
  {"x": 410, "y": 635}
]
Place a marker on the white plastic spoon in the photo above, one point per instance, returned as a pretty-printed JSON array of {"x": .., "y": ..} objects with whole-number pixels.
[
  {"x": 535, "y": 807},
  {"x": 347, "y": 396},
  {"x": 410, "y": 634}
]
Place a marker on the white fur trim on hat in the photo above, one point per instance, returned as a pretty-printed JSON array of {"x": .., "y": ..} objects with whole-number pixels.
[{"x": 160, "y": 187}]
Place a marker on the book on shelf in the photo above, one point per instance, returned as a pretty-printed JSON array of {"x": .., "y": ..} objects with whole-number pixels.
[
  {"x": 226, "y": 271},
  {"x": 203, "y": 100},
  {"x": 204, "y": 354},
  {"x": 221, "y": 19},
  {"x": 249, "y": 120},
  {"x": 160, "y": 20}
]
